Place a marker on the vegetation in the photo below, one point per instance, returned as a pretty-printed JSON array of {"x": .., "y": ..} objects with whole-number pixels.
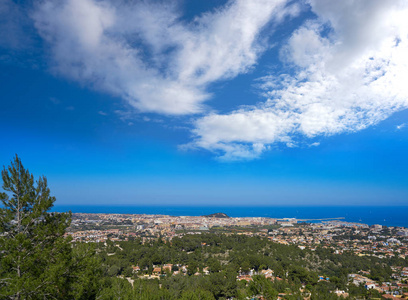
[
  {"x": 217, "y": 215},
  {"x": 226, "y": 257},
  {"x": 37, "y": 261}
]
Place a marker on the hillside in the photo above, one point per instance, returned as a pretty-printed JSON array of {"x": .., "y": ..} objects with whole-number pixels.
[{"x": 217, "y": 215}]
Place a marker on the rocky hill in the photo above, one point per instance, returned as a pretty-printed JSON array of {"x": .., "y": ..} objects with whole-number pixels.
[{"x": 217, "y": 215}]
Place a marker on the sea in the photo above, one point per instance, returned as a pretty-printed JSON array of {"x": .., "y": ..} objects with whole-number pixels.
[{"x": 383, "y": 215}]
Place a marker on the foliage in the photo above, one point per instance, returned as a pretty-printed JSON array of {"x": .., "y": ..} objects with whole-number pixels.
[
  {"x": 226, "y": 256},
  {"x": 37, "y": 261}
]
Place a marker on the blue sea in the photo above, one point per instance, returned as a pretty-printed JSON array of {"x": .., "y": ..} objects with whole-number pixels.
[{"x": 384, "y": 215}]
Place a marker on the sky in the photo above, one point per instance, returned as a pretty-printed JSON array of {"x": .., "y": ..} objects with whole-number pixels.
[{"x": 266, "y": 103}]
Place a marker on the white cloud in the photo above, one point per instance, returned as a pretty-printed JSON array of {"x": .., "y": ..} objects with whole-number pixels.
[
  {"x": 350, "y": 68},
  {"x": 145, "y": 54}
]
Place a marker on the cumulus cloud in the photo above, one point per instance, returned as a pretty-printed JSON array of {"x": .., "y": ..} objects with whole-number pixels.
[
  {"x": 346, "y": 70},
  {"x": 144, "y": 53}
]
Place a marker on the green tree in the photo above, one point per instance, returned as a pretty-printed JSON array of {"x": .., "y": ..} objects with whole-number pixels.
[
  {"x": 262, "y": 286},
  {"x": 36, "y": 261},
  {"x": 85, "y": 272},
  {"x": 197, "y": 295},
  {"x": 214, "y": 265}
]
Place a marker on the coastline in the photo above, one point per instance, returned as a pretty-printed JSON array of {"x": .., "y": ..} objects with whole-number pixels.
[{"x": 383, "y": 215}]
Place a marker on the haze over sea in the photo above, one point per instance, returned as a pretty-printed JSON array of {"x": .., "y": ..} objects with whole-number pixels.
[{"x": 384, "y": 215}]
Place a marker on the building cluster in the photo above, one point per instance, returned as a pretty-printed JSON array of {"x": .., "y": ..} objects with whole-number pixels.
[
  {"x": 361, "y": 239},
  {"x": 100, "y": 227},
  {"x": 389, "y": 289},
  {"x": 337, "y": 235}
]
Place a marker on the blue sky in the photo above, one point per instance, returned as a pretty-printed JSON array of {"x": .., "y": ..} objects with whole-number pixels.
[{"x": 208, "y": 102}]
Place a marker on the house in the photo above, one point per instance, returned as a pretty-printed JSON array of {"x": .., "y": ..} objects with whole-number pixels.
[
  {"x": 369, "y": 285},
  {"x": 323, "y": 278},
  {"x": 358, "y": 279},
  {"x": 267, "y": 273},
  {"x": 184, "y": 268},
  {"x": 364, "y": 272},
  {"x": 167, "y": 267},
  {"x": 341, "y": 293},
  {"x": 244, "y": 277},
  {"x": 387, "y": 296},
  {"x": 135, "y": 269}
]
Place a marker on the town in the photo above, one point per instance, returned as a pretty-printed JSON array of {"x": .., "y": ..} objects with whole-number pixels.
[{"x": 337, "y": 235}]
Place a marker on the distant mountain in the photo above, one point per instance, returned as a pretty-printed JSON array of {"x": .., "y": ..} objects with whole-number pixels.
[{"x": 217, "y": 215}]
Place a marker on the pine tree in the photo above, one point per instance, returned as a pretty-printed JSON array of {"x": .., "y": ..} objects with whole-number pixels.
[{"x": 35, "y": 258}]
